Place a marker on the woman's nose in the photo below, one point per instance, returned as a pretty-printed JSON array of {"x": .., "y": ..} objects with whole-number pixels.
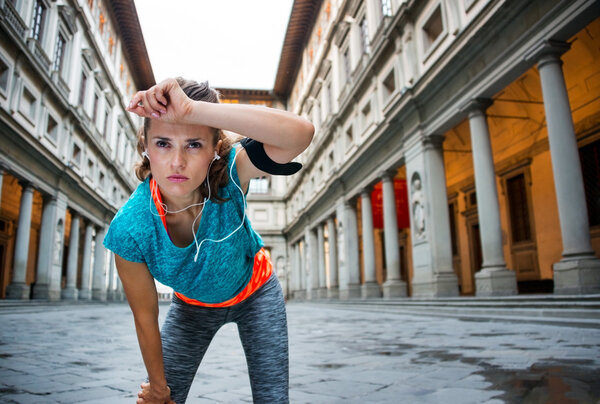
[{"x": 178, "y": 159}]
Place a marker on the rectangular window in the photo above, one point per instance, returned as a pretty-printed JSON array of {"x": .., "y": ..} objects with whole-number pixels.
[
  {"x": 329, "y": 99},
  {"x": 518, "y": 208},
  {"x": 59, "y": 53},
  {"x": 39, "y": 15},
  {"x": 389, "y": 85},
  {"x": 349, "y": 138},
  {"x": 453, "y": 228},
  {"x": 433, "y": 28},
  {"x": 386, "y": 8},
  {"x": 76, "y": 157},
  {"x": 4, "y": 73},
  {"x": 52, "y": 129},
  {"x": 28, "y": 103},
  {"x": 347, "y": 69},
  {"x": 95, "y": 108},
  {"x": 259, "y": 185},
  {"x": 105, "y": 124},
  {"x": 82, "y": 86},
  {"x": 364, "y": 36},
  {"x": 590, "y": 167}
]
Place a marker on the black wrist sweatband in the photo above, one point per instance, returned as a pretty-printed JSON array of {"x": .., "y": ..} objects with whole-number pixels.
[{"x": 260, "y": 159}]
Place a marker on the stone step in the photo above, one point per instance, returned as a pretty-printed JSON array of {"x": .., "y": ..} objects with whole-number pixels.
[{"x": 568, "y": 311}]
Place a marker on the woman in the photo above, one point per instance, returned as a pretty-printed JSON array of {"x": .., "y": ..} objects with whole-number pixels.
[{"x": 186, "y": 226}]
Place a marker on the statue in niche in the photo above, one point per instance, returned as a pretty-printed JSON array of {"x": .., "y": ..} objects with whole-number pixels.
[{"x": 418, "y": 206}]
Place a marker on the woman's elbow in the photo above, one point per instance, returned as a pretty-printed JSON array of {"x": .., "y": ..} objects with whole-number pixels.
[{"x": 306, "y": 133}]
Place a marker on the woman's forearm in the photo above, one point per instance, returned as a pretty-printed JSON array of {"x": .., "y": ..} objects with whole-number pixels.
[
  {"x": 151, "y": 347},
  {"x": 270, "y": 126}
]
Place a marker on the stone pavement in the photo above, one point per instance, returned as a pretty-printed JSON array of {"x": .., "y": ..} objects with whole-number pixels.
[{"x": 88, "y": 353}]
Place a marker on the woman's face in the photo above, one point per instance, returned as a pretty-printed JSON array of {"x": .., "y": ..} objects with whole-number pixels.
[{"x": 179, "y": 157}]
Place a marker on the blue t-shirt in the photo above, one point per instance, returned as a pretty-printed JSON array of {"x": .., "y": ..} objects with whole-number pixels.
[{"x": 222, "y": 270}]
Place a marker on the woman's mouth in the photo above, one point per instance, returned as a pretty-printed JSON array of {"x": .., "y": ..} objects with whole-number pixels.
[{"x": 177, "y": 178}]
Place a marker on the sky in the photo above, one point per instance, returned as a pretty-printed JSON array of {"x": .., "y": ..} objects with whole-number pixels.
[{"x": 230, "y": 43}]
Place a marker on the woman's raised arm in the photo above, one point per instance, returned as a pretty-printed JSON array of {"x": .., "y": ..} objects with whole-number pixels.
[{"x": 284, "y": 134}]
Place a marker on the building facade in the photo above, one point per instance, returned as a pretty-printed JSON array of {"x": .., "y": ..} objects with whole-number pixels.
[
  {"x": 457, "y": 147},
  {"x": 68, "y": 69}
]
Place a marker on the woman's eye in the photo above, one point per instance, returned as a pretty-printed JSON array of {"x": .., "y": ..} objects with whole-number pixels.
[
  {"x": 195, "y": 145},
  {"x": 161, "y": 143}
]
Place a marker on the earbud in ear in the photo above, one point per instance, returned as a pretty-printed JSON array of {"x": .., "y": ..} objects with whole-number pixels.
[
  {"x": 145, "y": 154},
  {"x": 217, "y": 157}
]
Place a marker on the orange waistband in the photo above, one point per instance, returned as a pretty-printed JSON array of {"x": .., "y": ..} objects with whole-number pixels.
[{"x": 261, "y": 271}]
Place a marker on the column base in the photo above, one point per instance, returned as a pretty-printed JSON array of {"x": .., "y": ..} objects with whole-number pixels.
[
  {"x": 333, "y": 293},
  {"x": 354, "y": 291},
  {"x": 18, "y": 291},
  {"x": 44, "y": 292},
  {"x": 99, "y": 294},
  {"x": 441, "y": 285},
  {"x": 577, "y": 276},
  {"x": 370, "y": 290},
  {"x": 85, "y": 294},
  {"x": 299, "y": 294},
  {"x": 321, "y": 293},
  {"x": 69, "y": 294},
  {"x": 111, "y": 295},
  {"x": 394, "y": 288},
  {"x": 495, "y": 282}
]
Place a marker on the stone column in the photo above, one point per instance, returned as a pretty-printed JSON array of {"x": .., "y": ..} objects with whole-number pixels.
[
  {"x": 370, "y": 288},
  {"x": 85, "y": 292},
  {"x": 99, "y": 278},
  {"x": 322, "y": 292},
  {"x": 18, "y": 289},
  {"x": 49, "y": 265},
  {"x": 71, "y": 292},
  {"x": 394, "y": 286},
  {"x": 351, "y": 247},
  {"x": 112, "y": 290},
  {"x": 342, "y": 257},
  {"x": 430, "y": 223},
  {"x": 312, "y": 266},
  {"x": 333, "y": 291},
  {"x": 307, "y": 269},
  {"x": 494, "y": 279},
  {"x": 578, "y": 271},
  {"x": 291, "y": 278}
]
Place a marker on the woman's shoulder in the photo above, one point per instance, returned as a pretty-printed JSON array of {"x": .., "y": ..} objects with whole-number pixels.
[{"x": 133, "y": 207}]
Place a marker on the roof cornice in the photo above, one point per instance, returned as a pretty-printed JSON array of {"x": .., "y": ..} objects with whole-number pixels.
[
  {"x": 302, "y": 20},
  {"x": 128, "y": 26}
]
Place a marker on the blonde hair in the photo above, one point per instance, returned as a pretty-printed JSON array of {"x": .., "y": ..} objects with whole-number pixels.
[{"x": 218, "y": 170}]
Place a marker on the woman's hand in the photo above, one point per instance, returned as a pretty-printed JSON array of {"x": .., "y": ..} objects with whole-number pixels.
[
  {"x": 152, "y": 395},
  {"x": 166, "y": 101}
]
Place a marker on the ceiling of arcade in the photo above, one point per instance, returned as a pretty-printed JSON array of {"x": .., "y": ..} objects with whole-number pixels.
[{"x": 516, "y": 118}]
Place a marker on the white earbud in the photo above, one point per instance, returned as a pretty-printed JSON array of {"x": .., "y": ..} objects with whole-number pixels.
[
  {"x": 217, "y": 157},
  {"x": 145, "y": 154}
]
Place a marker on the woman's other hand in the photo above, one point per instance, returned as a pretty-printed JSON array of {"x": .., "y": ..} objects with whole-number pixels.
[
  {"x": 154, "y": 395},
  {"x": 165, "y": 101}
]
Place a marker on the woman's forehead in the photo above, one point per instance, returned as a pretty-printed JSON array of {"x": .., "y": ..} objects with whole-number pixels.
[{"x": 174, "y": 130}]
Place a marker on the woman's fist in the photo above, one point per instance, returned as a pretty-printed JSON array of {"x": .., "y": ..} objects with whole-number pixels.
[{"x": 165, "y": 101}]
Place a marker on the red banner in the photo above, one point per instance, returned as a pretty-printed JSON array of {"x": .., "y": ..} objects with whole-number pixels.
[{"x": 401, "y": 196}]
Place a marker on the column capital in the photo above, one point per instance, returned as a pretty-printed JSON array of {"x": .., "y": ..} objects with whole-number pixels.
[
  {"x": 387, "y": 175},
  {"x": 366, "y": 190},
  {"x": 26, "y": 185},
  {"x": 476, "y": 106},
  {"x": 433, "y": 141},
  {"x": 546, "y": 50}
]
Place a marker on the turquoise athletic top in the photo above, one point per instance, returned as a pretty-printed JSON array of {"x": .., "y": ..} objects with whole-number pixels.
[{"x": 222, "y": 270}]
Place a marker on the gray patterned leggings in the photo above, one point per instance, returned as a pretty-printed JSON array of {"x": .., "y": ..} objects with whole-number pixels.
[{"x": 261, "y": 321}]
